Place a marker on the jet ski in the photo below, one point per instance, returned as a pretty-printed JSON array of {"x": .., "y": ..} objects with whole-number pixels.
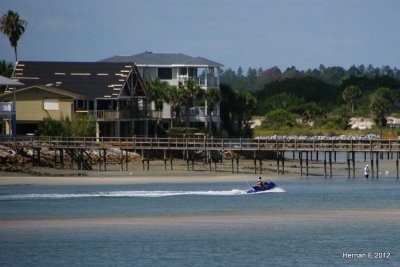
[{"x": 262, "y": 187}]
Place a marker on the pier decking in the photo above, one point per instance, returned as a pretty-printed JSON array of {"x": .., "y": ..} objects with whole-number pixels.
[{"x": 78, "y": 149}]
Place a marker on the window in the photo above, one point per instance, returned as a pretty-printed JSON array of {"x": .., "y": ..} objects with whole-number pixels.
[
  {"x": 183, "y": 71},
  {"x": 51, "y": 104},
  {"x": 165, "y": 73}
]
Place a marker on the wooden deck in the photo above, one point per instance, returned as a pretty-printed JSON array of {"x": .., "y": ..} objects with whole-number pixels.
[{"x": 208, "y": 144}]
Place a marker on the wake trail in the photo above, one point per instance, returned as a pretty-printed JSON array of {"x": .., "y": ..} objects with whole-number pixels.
[{"x": 127, "y": 194}]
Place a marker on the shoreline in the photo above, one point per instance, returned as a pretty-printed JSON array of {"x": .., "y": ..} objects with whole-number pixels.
[{"x": 180, "y": 174}]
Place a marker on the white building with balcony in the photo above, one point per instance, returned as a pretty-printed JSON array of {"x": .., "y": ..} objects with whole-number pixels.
[{"x": 176, "y": 68}]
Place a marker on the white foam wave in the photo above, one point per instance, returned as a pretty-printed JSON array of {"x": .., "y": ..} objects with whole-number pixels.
[{"x": 111, "y": 194}]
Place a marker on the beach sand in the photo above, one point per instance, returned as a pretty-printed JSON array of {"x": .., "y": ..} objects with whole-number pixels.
[
  {"x": 157, "y": 173},
  {"x": 275, "y": 217}
]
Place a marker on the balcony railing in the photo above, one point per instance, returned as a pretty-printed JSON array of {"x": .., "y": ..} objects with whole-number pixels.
[
  {"x": 107, "y": 115},
  {"x": 211, "y": 81},
  {"x": 198, "y": 114}
]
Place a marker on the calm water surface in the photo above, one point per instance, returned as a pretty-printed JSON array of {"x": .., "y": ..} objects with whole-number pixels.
[{"x": 305, "y": 222}]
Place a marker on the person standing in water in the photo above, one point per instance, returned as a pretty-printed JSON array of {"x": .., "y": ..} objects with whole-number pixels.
[{"x": 366, "y": 171}]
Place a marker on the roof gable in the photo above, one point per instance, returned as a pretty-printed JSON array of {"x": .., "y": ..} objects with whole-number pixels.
[
  {"x": 49, "y": 89},
  {"x": 89, "y": 79}
]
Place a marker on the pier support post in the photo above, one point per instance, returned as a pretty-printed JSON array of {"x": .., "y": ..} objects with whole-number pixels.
[
  {"x": 165, "y": 160},
  {"x": 55, "y": 157},
  {"x": 348, "y": 164},
  {"x": 325, "y": 164},
  {"x": 80, "y": 159},
  {"x": 232, "y": 159},
  {"x": 377, "y": 165},
  {"x": 121, "y": 152},
  {"x": 283, "y": 162},
  {"x": 62, "y": 158},
  {"x": 330, "y": 164},
  {"x": 397, "y": 165},
  {"x": 192, "y": 160},
  {"x": 209, "y": 161},
  {"x": 301, "y": 163},
  {"x": 307, "y": 163},
  {"x": 354, "y": 164},
  {"x": 277, "y": 162},
  {"x": 187, "y": 159},
  {"x": 100, "y": 159},
  {"x": 237, "y": 164},
  {"x": 105, "y": 159},
  {"x": 255, "y": 162},
  {"x": 171, "y": 160},
  {"x": 371, "y": 156},
  {"x": 126, "y": 160},
  {"x": 36, "y": 160}
]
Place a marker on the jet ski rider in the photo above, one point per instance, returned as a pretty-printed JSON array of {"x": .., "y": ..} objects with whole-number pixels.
[{"x": 261, "y": 183}]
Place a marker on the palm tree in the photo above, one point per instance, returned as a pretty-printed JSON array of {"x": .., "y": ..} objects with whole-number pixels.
[
  {"x": 245, "y": 104},
  {"x": 382, "y": 105},
  {"x": 6, "y": 68},
  {"x": 213, "y": 97},
  {"x": 351, "y": 94},
  {"x": 190, "y": 90},
  {"x": 173, "y": 98},
  {"x": 13, "y": 26},
  {"x": 156, "y": 89}
]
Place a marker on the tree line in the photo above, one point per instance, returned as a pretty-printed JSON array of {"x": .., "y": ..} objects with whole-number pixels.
[
  {"x": 255, "y": 79},
  {"x": 323, "y": 98}
]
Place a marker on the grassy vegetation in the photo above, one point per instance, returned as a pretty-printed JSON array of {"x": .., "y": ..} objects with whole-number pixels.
[{"x": 308, "y": 131}]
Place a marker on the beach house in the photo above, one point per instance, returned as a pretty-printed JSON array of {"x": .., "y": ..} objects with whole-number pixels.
[
  {"x": 114, "y": 93},
  {"x": 176, "y": 68}
]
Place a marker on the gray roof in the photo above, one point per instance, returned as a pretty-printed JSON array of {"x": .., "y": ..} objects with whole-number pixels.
[
  {"x": 6, "y": 81},
  {"x": 91, "y": 79},
  {"x": 164, "y": 59}
]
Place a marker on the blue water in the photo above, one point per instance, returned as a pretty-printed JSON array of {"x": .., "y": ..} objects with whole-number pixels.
[{"x": 305, "y": 222}]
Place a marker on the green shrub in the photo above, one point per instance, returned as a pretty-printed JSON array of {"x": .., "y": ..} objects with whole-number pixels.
[
  {"x": 51, "y": 127},
  {"x": 79, "y": 126}
]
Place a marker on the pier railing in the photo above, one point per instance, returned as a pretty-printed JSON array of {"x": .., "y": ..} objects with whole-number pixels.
[{"x": 206, "y": 144}]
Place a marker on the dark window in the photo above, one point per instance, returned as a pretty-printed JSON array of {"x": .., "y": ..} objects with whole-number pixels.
[
  {"x": 183, "y": 71},
  {"x": 165, "y": 73},
  {"x": 192, "y": 72}
]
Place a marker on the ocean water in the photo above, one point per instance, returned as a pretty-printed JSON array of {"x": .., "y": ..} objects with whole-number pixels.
[{"x": 305, "y": 222}]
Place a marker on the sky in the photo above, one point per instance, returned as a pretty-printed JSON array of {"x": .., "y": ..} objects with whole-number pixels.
[{"x": 250, "y": 33}]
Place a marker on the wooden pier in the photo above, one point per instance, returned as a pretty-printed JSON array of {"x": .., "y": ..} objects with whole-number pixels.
[{"x": 78, "y": 149}]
